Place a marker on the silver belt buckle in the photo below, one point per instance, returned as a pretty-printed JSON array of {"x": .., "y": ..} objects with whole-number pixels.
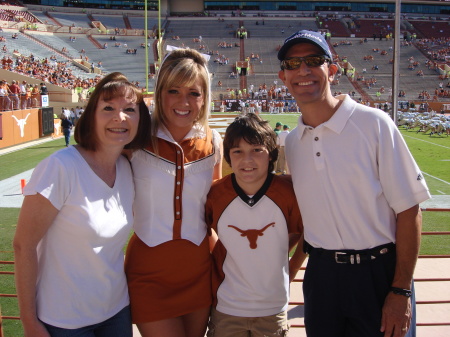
[
  {"x": 352, "y": 258},
  {"x": 336, "y": 256}
]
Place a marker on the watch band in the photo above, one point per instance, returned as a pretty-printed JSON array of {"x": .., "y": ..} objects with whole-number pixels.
[{"x": 400, "y": 291}]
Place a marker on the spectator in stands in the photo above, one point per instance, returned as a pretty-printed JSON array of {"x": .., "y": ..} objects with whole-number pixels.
[
  {"x": 35, "y": 96},
  {"x": 14, "y": 94},
  {"x": 4, "y": 96},
  {"x": 43, "y": 90},
  {"x": 68, "y": 245},
  {"x": 380, "y": 197},
  {"x": 23, "y": 95},
  {"x": 28, "y": 89}
]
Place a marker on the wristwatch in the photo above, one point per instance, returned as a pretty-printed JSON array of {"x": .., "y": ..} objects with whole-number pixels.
[{"x": 400, "y": 291}]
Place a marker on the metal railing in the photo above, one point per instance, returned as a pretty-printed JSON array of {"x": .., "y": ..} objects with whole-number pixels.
[
  {"x": 299, "y": 280},
  {"x": 419, "y": 302}
]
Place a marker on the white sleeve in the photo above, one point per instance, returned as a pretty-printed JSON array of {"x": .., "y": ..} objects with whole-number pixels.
[
  {"x": 403, "y": 183},
  {"x": 50, "y": 179},
  {"x": 217, "y": 140}
]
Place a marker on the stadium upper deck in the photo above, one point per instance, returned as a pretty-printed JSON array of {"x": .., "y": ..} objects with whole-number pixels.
[{"x": 198, "y": 6}]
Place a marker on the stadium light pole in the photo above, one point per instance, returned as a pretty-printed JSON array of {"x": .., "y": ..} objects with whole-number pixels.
[
  {"x": 396, "y": 67},
  {"x": 146, "y": 45},
  {"x": 159, "y": 33}
]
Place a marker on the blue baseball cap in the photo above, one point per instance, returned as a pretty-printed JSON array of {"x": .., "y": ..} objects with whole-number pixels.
[{"x": 305, "y": 36}]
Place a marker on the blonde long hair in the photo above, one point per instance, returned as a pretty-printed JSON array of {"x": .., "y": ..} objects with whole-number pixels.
[{"x": 182, "y": 67}]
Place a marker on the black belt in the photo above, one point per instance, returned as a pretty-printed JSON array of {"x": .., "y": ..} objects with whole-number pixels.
[{"x": 351, "y": 256}]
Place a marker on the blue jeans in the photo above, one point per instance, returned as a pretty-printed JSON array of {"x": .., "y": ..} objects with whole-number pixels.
[
  {"x": 66, "y": 133},
  {"x": 117, "y": 326}
]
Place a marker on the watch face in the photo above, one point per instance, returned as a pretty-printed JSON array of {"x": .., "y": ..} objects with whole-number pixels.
[{"x": 403, "y": 292}]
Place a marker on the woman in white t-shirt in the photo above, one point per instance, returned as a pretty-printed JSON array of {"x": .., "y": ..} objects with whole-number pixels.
[{"x": 75, "y": 220}]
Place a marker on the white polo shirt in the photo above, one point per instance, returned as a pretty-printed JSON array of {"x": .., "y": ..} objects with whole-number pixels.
[{"x": 352, "y": 175}]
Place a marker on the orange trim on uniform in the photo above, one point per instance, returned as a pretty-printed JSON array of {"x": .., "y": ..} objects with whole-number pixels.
[{"x": 187, "y": 151}]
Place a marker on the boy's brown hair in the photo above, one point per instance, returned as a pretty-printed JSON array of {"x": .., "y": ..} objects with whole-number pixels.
[{"x": 254, "y": 130}]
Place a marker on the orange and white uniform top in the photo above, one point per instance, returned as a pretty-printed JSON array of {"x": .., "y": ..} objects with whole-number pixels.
[{"x": 171, "y": 186}]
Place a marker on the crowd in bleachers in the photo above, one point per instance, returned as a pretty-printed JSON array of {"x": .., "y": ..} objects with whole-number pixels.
[
  {"x": 15, "y": 96},
  {"x": 46, "y": 70},
  {"x": 436, "y": 49}
]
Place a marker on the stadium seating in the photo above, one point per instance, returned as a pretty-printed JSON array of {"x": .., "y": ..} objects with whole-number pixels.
[{"x": 265, "y": 35}]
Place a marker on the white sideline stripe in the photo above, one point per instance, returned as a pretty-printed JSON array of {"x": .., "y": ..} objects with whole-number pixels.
[
  {"x": 426, "y": 141},
  {"x": 440, "y": 192},
  {"x": 445, "y": 182}
]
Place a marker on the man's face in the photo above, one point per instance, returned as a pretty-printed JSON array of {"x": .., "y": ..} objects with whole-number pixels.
[{"x": 308, "y": 84}]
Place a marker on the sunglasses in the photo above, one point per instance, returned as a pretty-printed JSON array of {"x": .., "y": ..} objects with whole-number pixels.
[{"x": 311, "y": 61}]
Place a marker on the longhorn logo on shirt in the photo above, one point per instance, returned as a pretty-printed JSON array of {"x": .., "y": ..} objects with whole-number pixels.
[{"x": 252, "y": 234}]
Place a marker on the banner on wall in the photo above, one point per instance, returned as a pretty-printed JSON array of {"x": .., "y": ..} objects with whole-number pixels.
[{"x": 44, "y": 100}]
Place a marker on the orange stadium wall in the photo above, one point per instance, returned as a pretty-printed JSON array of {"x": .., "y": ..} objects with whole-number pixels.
[
  {"x": 12, "y": 133},
  {"x": 21, "y": 126}
]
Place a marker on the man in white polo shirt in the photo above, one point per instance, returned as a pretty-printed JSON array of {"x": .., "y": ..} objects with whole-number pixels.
[{"x": 359, "y": 190}]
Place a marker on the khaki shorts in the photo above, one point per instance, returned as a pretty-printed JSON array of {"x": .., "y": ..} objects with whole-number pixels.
[{"x": 223, "y": 325}]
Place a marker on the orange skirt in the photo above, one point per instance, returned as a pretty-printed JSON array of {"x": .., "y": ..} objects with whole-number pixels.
[{"x": 169, "y": 280}]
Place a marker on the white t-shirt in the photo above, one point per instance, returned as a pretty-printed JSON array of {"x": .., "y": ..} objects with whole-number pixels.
[
  {"x": 352, "y": 175},
  {"x": 81, "y": 279}
]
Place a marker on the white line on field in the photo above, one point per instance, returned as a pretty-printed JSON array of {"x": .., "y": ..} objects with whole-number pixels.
[
  {"x": 426, "y": 141},
  {"x": 445, "y": 182}
]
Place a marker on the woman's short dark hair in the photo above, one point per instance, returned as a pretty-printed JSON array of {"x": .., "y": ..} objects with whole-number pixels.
[
  {"x": 111, "y": 86},
  {"x": 254, "y": 130}
]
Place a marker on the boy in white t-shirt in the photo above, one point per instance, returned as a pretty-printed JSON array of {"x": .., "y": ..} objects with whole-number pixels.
[{"x": 257, "y": 220}]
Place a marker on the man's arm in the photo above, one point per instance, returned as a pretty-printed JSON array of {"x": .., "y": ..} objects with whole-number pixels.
[
  {"x": 396, "y": 315},
  {"x": 298, "y": 257}
]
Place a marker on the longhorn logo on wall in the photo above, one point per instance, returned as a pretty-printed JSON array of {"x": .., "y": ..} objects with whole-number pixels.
[{"x": 21, "y": 123}]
